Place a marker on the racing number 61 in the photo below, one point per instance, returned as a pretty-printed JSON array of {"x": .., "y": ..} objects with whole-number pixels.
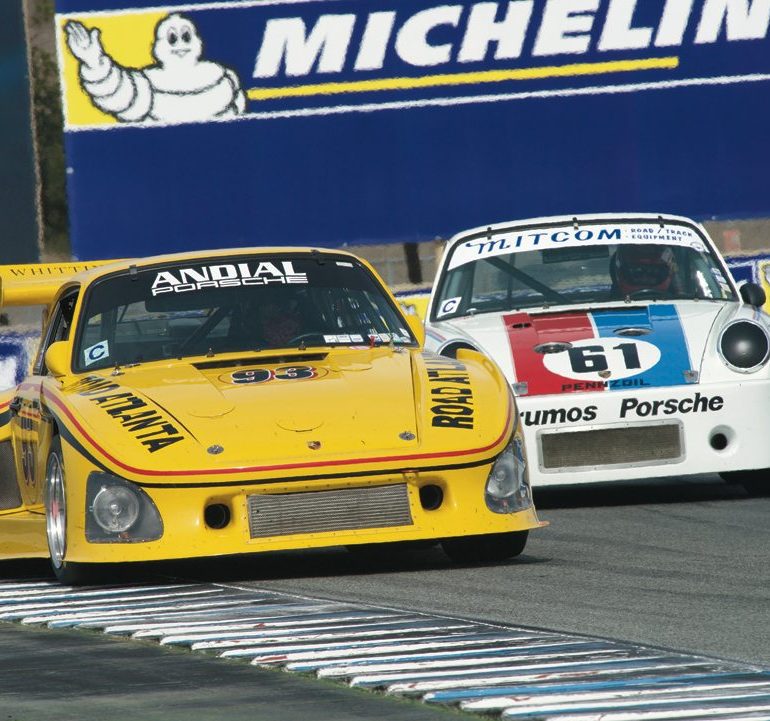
[{"x": 593, "y": 359}]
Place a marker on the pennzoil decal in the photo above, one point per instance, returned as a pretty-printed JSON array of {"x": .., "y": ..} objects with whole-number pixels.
[
  {"x": 451, "y": 393},
  {"x": 150, "y": 427},
  {"x": 226, "y": 60}
]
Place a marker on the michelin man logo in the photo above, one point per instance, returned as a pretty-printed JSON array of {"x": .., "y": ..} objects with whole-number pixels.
[{"x": 179, "y": 87}]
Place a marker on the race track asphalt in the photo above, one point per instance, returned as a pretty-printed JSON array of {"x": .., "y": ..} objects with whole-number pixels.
[
  {"x": 51, "y": 675},
  {"x": 679, "y": 564}
]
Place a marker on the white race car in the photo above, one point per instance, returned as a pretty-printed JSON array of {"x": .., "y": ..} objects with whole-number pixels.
[{"x": 631, "y": 350}]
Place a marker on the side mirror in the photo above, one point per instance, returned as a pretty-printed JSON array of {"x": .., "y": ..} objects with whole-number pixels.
[
  {"x": 416, "y": 326},
  {"x": 753, "y": 294},
  {"x": 57, "y": 359}
]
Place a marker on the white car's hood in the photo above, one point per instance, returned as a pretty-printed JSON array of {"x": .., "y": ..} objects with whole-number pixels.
[{"x": 565, "y": 350}]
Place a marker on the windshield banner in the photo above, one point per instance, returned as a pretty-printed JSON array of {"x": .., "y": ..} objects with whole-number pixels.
[
  {"x": 520, "y": 240},
  {"x": 504, "y": 109}
]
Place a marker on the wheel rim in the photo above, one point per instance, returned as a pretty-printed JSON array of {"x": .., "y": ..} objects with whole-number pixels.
[{"x": 55, "y": 510}]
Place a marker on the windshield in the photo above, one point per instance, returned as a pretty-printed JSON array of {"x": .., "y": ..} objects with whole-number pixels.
[
  {"x": 230, "y": 305},
  {"x": 570, "y": 265}
]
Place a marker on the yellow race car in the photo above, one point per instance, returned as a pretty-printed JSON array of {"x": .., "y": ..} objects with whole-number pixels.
[{"x": 232, "y": 402}]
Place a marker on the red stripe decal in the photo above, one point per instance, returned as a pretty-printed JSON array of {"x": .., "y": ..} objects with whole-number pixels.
[
  {"x": 526, "y": 332},
  {"x": 279, "y": 467}
]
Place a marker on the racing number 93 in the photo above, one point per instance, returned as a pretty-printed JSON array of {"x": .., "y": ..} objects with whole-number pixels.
[{"x": 263, "y": 375}]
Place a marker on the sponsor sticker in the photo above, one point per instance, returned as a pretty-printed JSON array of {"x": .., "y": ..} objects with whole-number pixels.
[
  {"x": 152, "y": 429},
  {"x": 520, "y": 240},
  {"x": 559, "y": 416},
  {"x": 95, "y": 353},
  {"x": 449, "y": 306},
  {"x": 265, "y": 375},
  {"x": 635, "y": 408},
  {"x": 227, "y": 275},
  {"x": 344, "y": 338},
  {"x": 451, "y": 393},
  {"x": 630, "y": 408},
  {"x": 596, "y": 359}
]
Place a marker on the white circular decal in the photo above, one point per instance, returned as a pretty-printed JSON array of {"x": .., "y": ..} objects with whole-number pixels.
[{"x": 598, "y": 359}]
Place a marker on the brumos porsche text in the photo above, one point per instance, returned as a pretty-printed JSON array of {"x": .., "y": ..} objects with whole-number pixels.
[
  {"x": 629, "y": 408},
  {"x": 473, "y": 32},
  {"x": 153, "y": 430},
  {"x": 451, "y": 393},
  {"x": 227, "y": 275}
]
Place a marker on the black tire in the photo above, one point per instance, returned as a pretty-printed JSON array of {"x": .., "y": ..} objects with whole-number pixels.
[
  {"x": 71, "y": 574},
  {"x": 487, "y": 548},
  {"x": 756, "y": 483}
]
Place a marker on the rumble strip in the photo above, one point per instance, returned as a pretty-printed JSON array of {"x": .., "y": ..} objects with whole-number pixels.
[{"x": 506, "y": 671}]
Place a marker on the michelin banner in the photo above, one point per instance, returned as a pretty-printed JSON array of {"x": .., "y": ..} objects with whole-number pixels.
[{"x": 331, "y": 122}]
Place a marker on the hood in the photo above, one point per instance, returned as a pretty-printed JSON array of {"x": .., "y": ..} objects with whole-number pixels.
[
  {"x": 610, "y": 348},
  {"x": 270, "y": 413}
]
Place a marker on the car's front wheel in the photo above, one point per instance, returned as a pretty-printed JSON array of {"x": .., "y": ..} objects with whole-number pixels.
[
  {"x": 756, "y": 483},
  {"x": 483, "y": 549},
  {"x": 72, "y": 574}
]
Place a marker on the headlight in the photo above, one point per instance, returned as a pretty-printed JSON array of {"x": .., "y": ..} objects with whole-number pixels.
[
  {"x": 507, "y": 489},
  {"x": 118, "y": 511},
  {"x": 115, "y": 508},
  {"x": 744, "y": 346}
]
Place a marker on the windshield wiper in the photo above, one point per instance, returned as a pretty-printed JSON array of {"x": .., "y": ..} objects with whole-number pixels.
[{"x": 544, "y": 290}]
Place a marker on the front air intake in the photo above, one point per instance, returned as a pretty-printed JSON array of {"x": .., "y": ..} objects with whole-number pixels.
[
  {"x": 603, "y": 447},
  {"x": 346, "y": 509}
]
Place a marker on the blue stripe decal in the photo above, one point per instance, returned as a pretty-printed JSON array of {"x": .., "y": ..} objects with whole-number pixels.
[{"x": 666, "y": 333}]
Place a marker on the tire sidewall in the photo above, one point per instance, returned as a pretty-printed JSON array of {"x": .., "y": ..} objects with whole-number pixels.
[{"x": 55, "y": 451}]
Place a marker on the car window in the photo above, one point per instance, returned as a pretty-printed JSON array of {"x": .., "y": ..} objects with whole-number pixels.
[
  {"x": 482, "y": 277},
  {"x": 238, "y": 304},
  {"x": 58, "y": 328}
]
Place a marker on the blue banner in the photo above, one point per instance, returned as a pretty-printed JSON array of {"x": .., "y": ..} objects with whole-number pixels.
[
  {"x": 331, "y": 122},
  {"x": 18, "y": 215}
]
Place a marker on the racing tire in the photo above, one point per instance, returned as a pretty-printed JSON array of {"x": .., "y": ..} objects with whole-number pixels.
[
  {"x": 70, "y": 574},
  {"x": 485, "y": 549},
  {"x": 756, "y": 483}
]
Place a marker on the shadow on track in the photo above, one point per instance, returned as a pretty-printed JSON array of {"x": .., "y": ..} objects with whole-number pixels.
[{"x": 679, "y": 489}]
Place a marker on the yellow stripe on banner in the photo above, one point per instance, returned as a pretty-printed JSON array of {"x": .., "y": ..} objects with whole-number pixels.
[{"x": 486, "y": 76}]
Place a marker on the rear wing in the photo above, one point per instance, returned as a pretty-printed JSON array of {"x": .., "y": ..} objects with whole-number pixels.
[{"x": 37, "y": 284}]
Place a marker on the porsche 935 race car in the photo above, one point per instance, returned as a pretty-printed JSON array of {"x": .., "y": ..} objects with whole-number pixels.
[
  {"x": 630, "y": 349},
  {"x": 232, "y": 402}
]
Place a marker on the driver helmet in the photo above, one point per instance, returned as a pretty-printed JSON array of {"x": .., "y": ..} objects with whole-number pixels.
[
  {"x": 281, "y": 322},
  {"x": 643, "y": 267}
]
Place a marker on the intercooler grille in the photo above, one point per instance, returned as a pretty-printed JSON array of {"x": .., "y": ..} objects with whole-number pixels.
[
  {"x": 9, "y": 488},
  {"x": 322, "y": 511},
  {"x": 633, "y": 445}
]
